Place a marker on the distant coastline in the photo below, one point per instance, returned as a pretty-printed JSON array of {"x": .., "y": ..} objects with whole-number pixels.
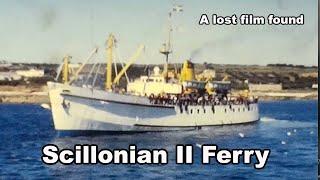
[
  {"x": 39, "y": 95},
  {"x": 22, "y": 83}
]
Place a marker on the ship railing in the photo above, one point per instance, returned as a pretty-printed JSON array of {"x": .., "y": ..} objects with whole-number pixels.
[{"x": 177, "y": 100}]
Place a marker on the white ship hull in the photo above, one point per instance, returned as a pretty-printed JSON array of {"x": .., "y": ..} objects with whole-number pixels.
[{"x": 85, "y": 109}]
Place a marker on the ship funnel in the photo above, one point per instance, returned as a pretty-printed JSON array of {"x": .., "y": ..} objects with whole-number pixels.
[{"x": 187, "y": 72}]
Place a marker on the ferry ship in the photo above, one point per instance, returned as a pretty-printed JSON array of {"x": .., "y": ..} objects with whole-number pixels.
[{"x": 159, "y": 101}]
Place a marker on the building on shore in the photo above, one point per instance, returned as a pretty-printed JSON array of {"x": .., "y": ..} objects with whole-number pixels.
[
  {"x": 314, "y": 86},
  {"x": 30, "y": 73},
  {"x": 9, "y": 76},
  {"x": 207, "y": 74},
  {"x": 265, "y": 87}
]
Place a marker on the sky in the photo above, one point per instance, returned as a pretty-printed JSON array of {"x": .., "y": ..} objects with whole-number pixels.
[{"x": 43, "y": 31}]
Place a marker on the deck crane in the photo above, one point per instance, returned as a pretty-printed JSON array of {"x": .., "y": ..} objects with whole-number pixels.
[{"x": 131, "y": 60}]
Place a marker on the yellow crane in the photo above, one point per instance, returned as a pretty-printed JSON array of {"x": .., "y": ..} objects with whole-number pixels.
[
  {"x": 225, "y": 78},
  {"x": 130, "y": 62},
  {"x": 73, "y": 78},
  {"x": 132, "y": 59},
  {"x": 65, "y": 69},
  {"x": 110, "y": 45}
]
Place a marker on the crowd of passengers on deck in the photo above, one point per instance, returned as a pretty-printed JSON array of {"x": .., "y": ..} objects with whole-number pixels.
[{"x": 196, "y": 99}]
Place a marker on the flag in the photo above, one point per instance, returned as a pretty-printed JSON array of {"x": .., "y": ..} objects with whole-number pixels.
[{"x": 177, "y": 8}]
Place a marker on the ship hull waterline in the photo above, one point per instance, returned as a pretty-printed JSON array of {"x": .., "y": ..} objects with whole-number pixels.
[{"x": 77, "y": 109}]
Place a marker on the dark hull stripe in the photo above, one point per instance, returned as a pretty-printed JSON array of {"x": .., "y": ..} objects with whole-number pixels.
[
  {"x": 119, "y": 102},
  {"x": 196, "y": 125},
  {"x": 62, "y": 133}
]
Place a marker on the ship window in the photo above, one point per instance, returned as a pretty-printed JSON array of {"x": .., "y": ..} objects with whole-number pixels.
[
  {"x": 204, "y": 111},
  {"x": 212, "y": 108},
  {"x": 150, "y": 80},
  {"x": 225, "y": 110},
  {"x": 233, "y": 110},
  {"x": 191, "y": 111},
  {"x": 239, "y": 109},
  {"x": 243, "y": 109},
  {"x": 198, "y": 111}
]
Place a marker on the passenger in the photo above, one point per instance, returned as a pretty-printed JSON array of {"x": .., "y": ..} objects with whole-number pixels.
[
  {"x": 165, "y": 99},
  {"x": 199, "y": 100},
  {"x": 203, "y": 102},
  {"x": 151, "y": 98},
  {"x": 157, "y": 100},
  {"x": 168, "y": 99},
  {"x": 161, "y": 99},
  {"x": 175, "y": 98}
]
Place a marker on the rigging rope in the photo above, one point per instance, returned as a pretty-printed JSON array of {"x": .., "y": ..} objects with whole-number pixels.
[
  {"x": 59, "y": 71},
  {"x": 115, "y": 62},
  {"x": 96, "y": 75},
  {"x": 120, "y": 61},
  {"x": 90, "y": 73}
]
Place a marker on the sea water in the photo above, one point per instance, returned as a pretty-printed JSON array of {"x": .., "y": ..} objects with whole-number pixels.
[{"x": 287, "y": 128}]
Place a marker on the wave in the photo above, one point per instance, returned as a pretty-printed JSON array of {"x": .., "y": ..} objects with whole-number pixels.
[
  {"x": 287, "y": 123},
  {"x": 267, "y": 119}
]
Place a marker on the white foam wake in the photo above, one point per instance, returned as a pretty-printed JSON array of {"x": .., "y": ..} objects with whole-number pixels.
[
  {"x": 267, "y": 119},
  {"x": 287, "y": 123}
]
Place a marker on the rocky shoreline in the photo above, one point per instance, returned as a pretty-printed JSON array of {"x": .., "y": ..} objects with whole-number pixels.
[{"x": 24, "y": 94}]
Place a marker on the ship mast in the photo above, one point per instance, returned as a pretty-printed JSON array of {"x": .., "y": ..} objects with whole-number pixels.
[
  {"x": 110, "y": 44},
  {"x": 166, "y": 49}
]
